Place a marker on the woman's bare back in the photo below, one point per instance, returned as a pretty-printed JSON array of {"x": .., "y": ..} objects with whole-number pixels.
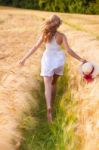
[{"x": 59, "y": 38}]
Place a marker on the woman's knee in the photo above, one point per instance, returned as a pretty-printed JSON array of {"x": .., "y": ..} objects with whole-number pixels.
[
  {"x": 47, "y": 81},
  {"x": 48, "y": 86}
]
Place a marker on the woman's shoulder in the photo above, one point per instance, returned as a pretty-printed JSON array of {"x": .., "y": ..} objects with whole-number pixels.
[
  {"x": 59, "y": 33},
  {"x": 61, "y": 36}
]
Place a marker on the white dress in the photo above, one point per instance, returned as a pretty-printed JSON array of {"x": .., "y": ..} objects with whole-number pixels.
[{"x": 53, "y": 59}]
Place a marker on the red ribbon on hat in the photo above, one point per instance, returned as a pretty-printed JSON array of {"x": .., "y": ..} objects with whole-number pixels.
[{"x": 88, "y": 77}]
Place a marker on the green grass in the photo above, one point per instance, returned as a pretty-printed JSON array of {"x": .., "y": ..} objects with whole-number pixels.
[{"x": 60, "y": 134}]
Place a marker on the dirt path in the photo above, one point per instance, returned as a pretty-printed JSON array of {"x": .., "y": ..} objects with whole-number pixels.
[{"x": 18, "y": 29}]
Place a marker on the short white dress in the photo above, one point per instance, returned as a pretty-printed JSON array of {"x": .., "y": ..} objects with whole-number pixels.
[{"x": 53, "y": 59}]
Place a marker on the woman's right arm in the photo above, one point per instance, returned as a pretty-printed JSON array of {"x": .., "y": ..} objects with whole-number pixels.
[{"x": 32, "y": 50}]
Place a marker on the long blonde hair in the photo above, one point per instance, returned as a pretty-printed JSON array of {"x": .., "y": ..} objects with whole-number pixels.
[{"x": 50, "y": 27}]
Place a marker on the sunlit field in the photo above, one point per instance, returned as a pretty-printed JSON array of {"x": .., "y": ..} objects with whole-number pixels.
[{"x": 23, "y": 123}]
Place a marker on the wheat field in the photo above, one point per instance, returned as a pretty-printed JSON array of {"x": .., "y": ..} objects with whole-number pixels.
[{"x": 19, "y": 29}]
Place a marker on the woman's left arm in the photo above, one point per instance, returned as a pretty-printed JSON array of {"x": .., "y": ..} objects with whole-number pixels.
[
  {"x": 33, "y": 49},
  {"x": 70, "y": 51}
]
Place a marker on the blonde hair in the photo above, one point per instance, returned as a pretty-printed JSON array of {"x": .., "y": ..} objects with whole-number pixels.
[{"x": 50, "y": 27}]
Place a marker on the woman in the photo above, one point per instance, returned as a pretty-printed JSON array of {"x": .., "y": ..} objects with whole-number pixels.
[{"x": 53, "y": 59}]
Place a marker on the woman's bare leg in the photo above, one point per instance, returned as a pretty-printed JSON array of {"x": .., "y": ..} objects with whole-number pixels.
[
  {"x": 48, "y": 96},
  {"x": 54, "y": 84}
]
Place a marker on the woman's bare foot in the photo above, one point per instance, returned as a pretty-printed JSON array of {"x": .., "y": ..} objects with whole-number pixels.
[{"x": 49, "y": 115}]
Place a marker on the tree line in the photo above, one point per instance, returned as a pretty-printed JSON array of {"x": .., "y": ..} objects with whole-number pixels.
[{"x": 72, "y": 6}]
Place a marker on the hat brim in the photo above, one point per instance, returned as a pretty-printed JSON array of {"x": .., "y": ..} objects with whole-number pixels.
[{"x": 95, "y": 72}]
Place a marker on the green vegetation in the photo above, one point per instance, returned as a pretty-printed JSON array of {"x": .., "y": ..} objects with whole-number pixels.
[
  {"x": 76, "y": 6},
  {"x": 60, "y": 134}
]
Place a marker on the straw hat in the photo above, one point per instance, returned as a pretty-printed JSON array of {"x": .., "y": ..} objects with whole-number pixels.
[{"x": 89, "y": 70}]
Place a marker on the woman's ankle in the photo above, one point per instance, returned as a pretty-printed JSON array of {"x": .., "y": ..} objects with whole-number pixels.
[{"x": 49, "y": 114}]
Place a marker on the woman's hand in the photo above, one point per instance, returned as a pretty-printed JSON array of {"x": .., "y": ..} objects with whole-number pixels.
[
  {"x": 22, "y": 62},
  {"x": 84, "y": 61}
]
